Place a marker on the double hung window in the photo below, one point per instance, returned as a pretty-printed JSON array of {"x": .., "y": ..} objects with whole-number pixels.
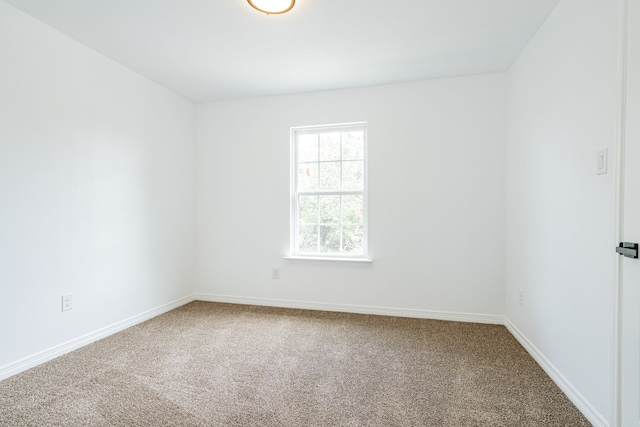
[{"x": 329, "y": 191}]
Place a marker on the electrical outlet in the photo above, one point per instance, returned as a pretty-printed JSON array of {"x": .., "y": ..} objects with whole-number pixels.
[
  {"x": 521, "y": 296},
  {"x": 67, "y": 302},
  {"x": 275, "y": 273}
]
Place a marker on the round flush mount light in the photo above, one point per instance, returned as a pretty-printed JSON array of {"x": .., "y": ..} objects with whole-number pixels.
[{"x": 272, "y": 7}]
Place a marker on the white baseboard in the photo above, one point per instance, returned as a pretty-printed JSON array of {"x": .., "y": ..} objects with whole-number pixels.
[
  {"x": 29, "y": 362},
  {"x": 361, "y": 309},
  {"x": 576, "y": 398}
]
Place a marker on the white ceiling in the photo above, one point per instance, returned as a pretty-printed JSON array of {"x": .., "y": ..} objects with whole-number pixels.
[{"x": 210, "y": 50}]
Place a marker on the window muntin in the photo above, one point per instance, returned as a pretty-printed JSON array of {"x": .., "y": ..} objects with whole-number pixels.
[{"x": 329, "y": 198}]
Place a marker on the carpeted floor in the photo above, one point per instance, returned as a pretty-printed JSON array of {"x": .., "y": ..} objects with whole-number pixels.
[{"x": 210, "y": 364}]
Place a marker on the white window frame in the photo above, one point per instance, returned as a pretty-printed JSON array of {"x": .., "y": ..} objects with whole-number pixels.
[{"x": 339, "y": 257}]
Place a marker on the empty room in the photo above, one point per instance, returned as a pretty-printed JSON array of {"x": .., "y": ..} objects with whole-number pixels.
[{"x": 319, "y": 213}]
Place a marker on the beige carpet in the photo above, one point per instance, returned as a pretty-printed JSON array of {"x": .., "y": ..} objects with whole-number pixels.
[{"x": 209, "y": 364}]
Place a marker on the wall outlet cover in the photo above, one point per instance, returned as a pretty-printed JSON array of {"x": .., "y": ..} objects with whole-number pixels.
[{"x": 67, "y": 302}]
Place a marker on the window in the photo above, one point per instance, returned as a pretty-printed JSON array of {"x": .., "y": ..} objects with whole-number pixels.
[{"x": 329, "y": 191}]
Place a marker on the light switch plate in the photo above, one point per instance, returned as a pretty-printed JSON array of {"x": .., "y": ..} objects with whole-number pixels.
[{"x": 601, "y": 161}]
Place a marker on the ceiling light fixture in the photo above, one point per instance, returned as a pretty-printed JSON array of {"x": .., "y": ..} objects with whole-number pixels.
[{"x": 272, "y": 7}]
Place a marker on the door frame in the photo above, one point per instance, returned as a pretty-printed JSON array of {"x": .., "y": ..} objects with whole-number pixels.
[{"x": 619, "y": 150}]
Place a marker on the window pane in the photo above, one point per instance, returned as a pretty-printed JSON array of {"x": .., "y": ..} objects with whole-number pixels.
[
  {"x": 352, "y": 239},
  {"x": 330, "y": 146},
  {"x": 308, "y": 177},
  {"x": 330, "y": 209},
  {"x": 353, "y": 145},
  {"x": 308, "y": 148},
  {"x": 329, "y": 239},
  {"x": 329, "y": 190},
  {"x": 308, "y": 238},
  {"x": 352, "y": 175},
  {"x": 308, "y": 209},
  {"x": 352, "y": 208},
  {"x": 330, "y": 176}
]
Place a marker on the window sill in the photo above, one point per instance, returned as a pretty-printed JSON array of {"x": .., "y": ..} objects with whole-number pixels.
[{"x": 364, "y": 262}]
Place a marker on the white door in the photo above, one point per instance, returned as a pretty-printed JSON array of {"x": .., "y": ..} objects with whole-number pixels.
[{"x": 630, "y": 268}]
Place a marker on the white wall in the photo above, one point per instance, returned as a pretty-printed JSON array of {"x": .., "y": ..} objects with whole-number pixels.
[
  {"x": 96, "y": 190},
  {"x": 559, "y": 216},
  {"x": 436, "y": 201}
]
